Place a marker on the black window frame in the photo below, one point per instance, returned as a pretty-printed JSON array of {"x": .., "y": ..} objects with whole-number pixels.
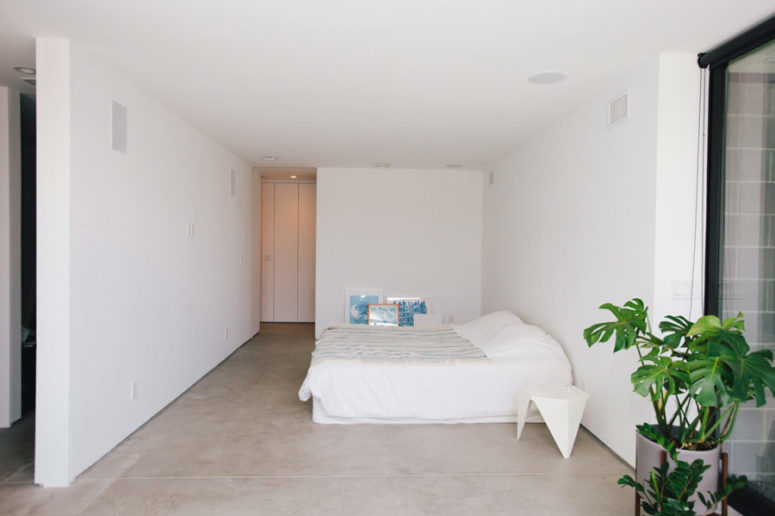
[{"x": 747, "y": 500}]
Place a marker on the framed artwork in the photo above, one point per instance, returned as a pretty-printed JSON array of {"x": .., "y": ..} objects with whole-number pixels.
[
  {"x": 384, "y": 314},
  {"x": 356, "y": 304},
  {"x": 410, "y": 306}
]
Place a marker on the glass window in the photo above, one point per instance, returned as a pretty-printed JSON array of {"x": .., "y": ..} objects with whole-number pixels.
[{"x": 748, "y": 244}]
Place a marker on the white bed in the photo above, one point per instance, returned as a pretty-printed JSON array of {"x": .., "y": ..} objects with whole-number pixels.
[{"x": 460, "y": 374}]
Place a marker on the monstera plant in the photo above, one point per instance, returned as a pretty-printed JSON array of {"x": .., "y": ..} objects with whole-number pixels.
[
  {"x": 705, "y": 368},
  {"x": 696, "y": 375}
]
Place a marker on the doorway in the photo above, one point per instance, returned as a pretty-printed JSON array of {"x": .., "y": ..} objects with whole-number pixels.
[
  {"x": 28, "y": 262},
  {"x": 288, "y": 210}
]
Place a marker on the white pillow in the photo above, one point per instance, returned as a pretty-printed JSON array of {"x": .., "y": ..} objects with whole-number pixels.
[
  {"x": 487, "y": 327},
  {"x": 522, "y": 341},
  {"x": 504, "y": 335}
]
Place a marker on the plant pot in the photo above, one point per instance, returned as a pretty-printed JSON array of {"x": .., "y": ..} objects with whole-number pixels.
[{"x": 648, "y": 456}]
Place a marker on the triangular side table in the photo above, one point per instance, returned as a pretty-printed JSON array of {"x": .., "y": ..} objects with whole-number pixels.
[{"x": 561, "y": 407}]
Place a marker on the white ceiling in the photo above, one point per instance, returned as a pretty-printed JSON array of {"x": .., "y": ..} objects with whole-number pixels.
[{"x": 416, "y": 83}]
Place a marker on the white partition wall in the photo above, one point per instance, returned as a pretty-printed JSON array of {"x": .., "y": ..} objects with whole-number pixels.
[
  {"x": 408, "y": 232},
  {"x": 288, "y": 252},
  {"x": 144, "y": 263},
  {"x": 52, "y": 405}
]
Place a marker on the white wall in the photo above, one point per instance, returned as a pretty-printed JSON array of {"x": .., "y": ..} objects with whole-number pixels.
[
  {"x": 143, "y": 302},
  {"x": 581, "y": 214},
  {"x": 52, "y": 331},
  {"x": 680, "y": 198},
  {"x": 10, "y": 257},
  {"x": 408, "y": 232}
]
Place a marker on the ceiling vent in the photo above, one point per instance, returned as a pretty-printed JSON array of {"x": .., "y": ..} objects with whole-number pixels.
[{"x": 618, "y": 110}]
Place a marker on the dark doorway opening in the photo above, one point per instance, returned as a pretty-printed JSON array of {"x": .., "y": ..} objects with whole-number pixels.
[{"x": 28, "y": 237}]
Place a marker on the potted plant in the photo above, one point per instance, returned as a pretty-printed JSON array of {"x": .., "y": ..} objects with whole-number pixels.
[
  {"x": 696, "y": 375},
  {"x": 670, "y": 491}
]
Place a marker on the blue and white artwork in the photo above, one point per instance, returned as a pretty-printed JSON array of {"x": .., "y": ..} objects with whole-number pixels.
[
  {"x": 408, "y": 306},
  {"x": 383, "y": 315},
  {"x": 357, "y": 305}
]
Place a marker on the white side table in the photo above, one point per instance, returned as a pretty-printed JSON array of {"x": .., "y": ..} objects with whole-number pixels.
[{"x": 561, "y": 406}]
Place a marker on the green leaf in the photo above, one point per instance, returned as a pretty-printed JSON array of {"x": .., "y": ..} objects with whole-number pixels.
[
  {"x": 631, "y": 322},
  {"x": 751, "y": 372},
  {"x": 661, "y": 372},
  {"x": 707, "y": 382},
  {"x": 627, "y": 480},
  {"x": 709, "y": 324},
  {"x": 724, "y": 371},
  {"x": 735, "y": 323}
]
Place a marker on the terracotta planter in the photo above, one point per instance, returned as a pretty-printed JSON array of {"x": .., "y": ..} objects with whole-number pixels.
[{"x": 648, "y": 455}]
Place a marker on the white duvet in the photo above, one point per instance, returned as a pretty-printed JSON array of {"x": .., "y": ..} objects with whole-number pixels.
[{"x": 432, "y": 388}]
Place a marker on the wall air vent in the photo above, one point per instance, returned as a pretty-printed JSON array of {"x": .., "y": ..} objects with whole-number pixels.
[{"x": 618, "y": 110}]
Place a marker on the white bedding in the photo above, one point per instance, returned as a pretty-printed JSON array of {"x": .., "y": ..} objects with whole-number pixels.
[{"x": 429, "y": 389}]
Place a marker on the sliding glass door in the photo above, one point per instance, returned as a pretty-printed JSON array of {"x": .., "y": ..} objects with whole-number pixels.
[
  {"x": 748, "y": 280},
  {"x": 741, "y": 236}
]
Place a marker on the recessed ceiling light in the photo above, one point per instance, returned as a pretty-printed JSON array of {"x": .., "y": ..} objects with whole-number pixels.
[
  {"x": 28, "y": 80},
  {"x": 26, "y": 70},
  {"x": 269, "y": 158},
  {"x": 548, "y": 77},
  {"x": 293, "y": 177},
  {"x": 382, "y": 164}
]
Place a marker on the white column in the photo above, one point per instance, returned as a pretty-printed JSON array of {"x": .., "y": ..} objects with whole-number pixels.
[
  {"x": 10, "y": 257},
  {"x": 679, "y": 242},
  {"x": 52, "y": 424},
  {"x": 255, "y": 255}
]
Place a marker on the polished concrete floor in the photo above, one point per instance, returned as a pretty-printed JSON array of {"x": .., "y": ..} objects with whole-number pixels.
[{"x": 240, "y": 442}]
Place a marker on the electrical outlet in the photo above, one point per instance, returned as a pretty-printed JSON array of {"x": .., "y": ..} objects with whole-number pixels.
[
  {"x": 133, "y": 390},
  {"x": 681, "y": 289}
]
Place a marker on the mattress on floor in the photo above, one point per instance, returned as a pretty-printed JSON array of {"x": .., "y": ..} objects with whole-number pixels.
[{"x": 368, "y": 374}]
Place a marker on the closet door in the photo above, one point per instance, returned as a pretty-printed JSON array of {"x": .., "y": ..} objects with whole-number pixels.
[
  {"x": 267, "y": 252},
  {"x": 286, "y": 254},
  {"x": 307, "y": 210}
]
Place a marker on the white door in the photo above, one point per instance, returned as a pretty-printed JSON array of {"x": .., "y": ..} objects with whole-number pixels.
[
  {"x": 267, "y": 252},
  {"x": 306, "y": 306},
  {"x": 286, "y": 252}
]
